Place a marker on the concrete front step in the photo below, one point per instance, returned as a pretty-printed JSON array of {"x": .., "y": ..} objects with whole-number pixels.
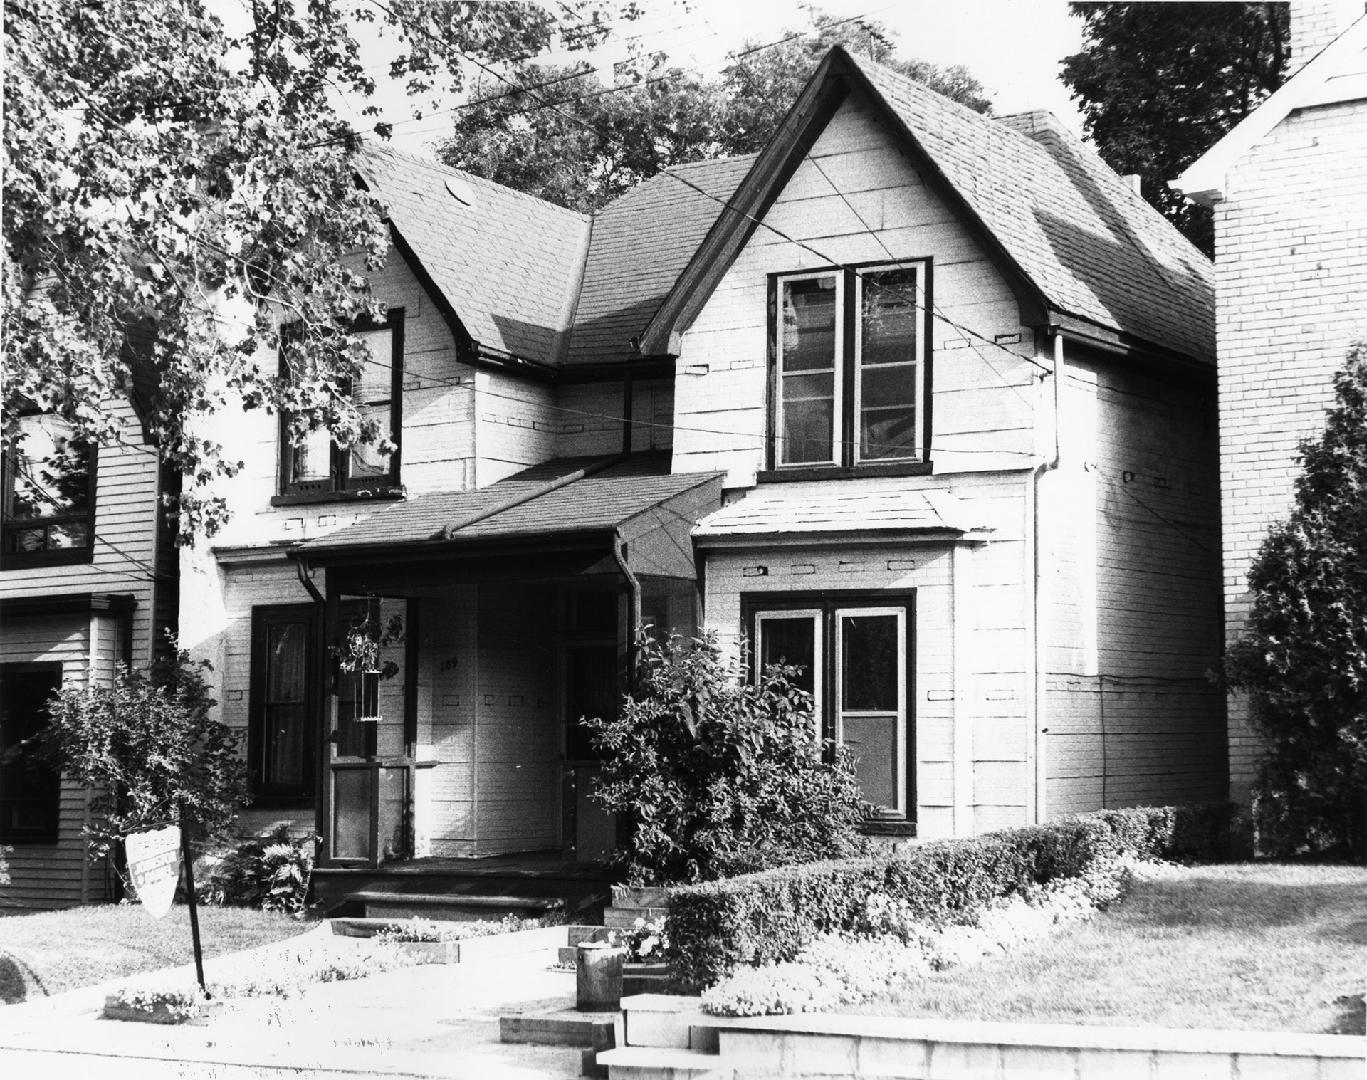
[
  {"x": 455, "y": 907},
  {"x": 660, "y": 1063},
  {"x": 669, "y": 1021},
  {"x": 563, "y": 1027}
]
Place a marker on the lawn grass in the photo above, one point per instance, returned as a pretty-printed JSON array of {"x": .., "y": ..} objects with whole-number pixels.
[
  {"x": 47, "y": 952},
  {"x": 1246, "y": 947}
]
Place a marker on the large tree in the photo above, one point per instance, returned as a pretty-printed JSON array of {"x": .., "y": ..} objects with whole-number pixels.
[
  {"x": 165, "y": 177},
  {"x": 1303, "y": 657},
  {"x": 1160, "y": 83},
  {"x": 570, "y": 139}
]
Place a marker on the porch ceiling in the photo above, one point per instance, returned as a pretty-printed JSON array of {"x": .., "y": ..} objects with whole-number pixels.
[{"x": 526, "y": 512}]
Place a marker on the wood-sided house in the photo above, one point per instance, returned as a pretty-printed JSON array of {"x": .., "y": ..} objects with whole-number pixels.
[
  {"x": 88, "y": 581},
  {"x": 918, "y": 399}
]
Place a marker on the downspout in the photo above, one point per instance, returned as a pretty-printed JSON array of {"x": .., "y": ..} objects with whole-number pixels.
[
  {"x": 619, "y": 552},
  {"x": 301, "y": 566},
  {"x": 1041, "y": 677}
]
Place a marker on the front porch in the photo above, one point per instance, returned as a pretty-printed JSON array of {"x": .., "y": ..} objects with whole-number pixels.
[
  {"x": 581, "y": 888},
  {"x": 454, "y": 644}
]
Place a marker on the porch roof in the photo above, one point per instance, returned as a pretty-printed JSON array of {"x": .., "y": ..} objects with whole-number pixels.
[
  {"x": 527, "y": 507},
  {"x": 816, "y": 508}
]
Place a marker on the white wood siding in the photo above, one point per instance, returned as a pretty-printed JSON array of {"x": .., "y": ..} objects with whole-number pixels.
[
  {"x": 982, "y": 392},
  {"x": 1131, "y": 607}
]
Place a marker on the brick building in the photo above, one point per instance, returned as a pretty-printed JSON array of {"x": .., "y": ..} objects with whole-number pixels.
[{"x": 1289, "y": 188}]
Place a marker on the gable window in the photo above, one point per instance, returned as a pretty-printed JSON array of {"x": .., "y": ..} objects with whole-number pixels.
[
  {"x": 850, "y": 366},
  {"x": 316, "y": 465},
  {"x": 854, "y": 657},
  {"x": 30, "y": 789},
  {"x": 49, "y": 493}
]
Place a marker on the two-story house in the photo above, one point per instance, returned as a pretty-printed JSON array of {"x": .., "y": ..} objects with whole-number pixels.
[
  {"x": 1289, "y": 188},
  {"x": 920, "y": 400},
  {"x": 88, "y": 580}
]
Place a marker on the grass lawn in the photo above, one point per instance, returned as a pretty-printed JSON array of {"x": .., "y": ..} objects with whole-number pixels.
[
  {"x": 1250, "y": 947},
  {"x": 51, "y": 951}
]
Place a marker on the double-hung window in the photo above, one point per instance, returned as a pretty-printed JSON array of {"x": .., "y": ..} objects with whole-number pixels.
[
  {"x": 317, "y": 465},
  {"x": 850, "y": 366},
  {"x": 854, "y": 657},
  {"x": 49, "y": 493}
]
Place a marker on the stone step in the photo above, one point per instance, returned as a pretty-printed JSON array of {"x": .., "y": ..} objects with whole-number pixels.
[
  {"x": 660, "y": 1063},
  {"x": 564, "y": 1027},
  {"x": 667, "y": 1020},
  {"x": 455, "y": 907}
]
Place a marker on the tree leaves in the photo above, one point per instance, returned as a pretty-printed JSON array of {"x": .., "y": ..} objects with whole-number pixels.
[{"x": 1159, "y": 84}]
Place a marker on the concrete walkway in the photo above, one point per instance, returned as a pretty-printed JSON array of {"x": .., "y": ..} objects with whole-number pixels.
[{"x": 427, "y": 1021}]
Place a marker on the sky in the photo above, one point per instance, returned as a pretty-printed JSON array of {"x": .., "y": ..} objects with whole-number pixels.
[{"x": 1013, "y": 47}]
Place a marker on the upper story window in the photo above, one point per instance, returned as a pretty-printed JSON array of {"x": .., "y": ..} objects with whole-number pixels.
[
  {"x": 850, "y": 366},
  {"x": 317, "y": 465},
  {"x": 49, "y": 494}
]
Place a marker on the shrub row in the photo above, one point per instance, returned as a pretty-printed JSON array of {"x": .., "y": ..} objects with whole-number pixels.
[{"x": 767, "y": 917}]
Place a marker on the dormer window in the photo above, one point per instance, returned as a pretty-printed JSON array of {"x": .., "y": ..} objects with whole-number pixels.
[
  {"x": 317, "y": 466},
  {"x": 849, "y": 358}
]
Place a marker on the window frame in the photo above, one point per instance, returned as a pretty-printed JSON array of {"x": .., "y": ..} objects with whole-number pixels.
[
  {"x": 9, "y": 526},
  {"x": 277, "y": 796},
  {"x": 338, "y": 485},
  {"x": 50, "y": 834},
  {"x": 832, "y": 605},
  {"x": 845, "y": 458}
]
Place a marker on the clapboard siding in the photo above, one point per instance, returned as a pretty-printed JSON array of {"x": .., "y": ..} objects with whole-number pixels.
[
  {"x": 56, "y": 875},
  {"x": 983, "y": 394},
  {"x": 1132, "y": 606},
  {"x": 128, "y": 559}
]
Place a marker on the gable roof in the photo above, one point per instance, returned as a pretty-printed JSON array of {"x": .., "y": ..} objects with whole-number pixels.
[
  {"x": 1045, "y": 206},
  {"x": 1337, "y": 73},
  {"x": 504, "y": 266},
  {"x": 641, "y": 243}
]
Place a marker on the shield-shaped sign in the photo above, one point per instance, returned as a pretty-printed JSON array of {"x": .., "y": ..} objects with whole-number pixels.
[{"x": 154, "y": 867}]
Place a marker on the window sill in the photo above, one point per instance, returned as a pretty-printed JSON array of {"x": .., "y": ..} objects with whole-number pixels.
[
  {"x": 282, "y": 802},
  {"x": 841, "y": 472},
  {"x": 887, "y": 827},
  {"x": 14, "y": 560},
  {"x": 306, "y": 497},
  {"x": 29, "y": 840}
]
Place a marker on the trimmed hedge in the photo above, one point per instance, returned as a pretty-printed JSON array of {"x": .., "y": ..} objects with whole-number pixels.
[{"x": 767, "y": 917}]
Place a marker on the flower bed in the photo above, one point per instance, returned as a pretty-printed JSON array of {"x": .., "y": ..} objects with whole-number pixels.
[{"x": 770, "y": 917}]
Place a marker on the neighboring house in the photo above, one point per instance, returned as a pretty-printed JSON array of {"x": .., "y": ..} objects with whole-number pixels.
[
  {"x": 921, "y": 400},
  {"x": 1289, "y": 187},
  {"x": 87, "y": 581}
]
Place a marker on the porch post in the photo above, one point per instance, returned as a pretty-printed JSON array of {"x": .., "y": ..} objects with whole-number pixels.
[{"x": 324, "y": 709}]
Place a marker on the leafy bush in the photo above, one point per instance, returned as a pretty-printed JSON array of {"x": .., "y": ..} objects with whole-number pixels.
[
  {"x": 717, "y": 775},
  {"x": 270, "y": 872},
  {"x": 1303, "y": 657},
  {"x": 147, "y": 749},
  {"x": 768, "y": 917},
  {"x": 430, "y": 930}
]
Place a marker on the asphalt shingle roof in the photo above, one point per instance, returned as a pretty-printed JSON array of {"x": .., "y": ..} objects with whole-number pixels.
[
  {"x": 508, "y": 263},
  {"x": 641, "y": 243},
  {"x": 592, "y": 504},
  {"x": 1092, "y": 246}
]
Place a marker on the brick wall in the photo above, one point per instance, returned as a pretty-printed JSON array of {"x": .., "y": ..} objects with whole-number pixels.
[{"x": 1292, "y": 281}]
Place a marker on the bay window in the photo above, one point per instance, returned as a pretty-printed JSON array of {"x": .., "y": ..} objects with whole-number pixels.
[{"x": 850, "y": 366}]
